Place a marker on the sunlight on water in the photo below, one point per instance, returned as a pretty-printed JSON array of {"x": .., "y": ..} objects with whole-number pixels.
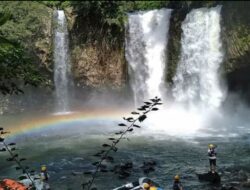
[
  {"x": 63, "y": 113},
  {"x": 175, "y": 121}
]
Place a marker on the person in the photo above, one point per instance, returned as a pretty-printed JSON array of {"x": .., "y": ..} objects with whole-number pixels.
[
  {"x": 150, "y": 186},
  {"x": 45, "y": 177},
  {"x": 177, "y": 184},
  {"x": 212, "y": 157}
]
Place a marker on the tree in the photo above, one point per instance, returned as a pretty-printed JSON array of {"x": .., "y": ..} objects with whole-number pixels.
[
  {"x": 14, "y": 157},
  {"x": 16, "y": 68},
  {"x": 130, "y": 125}
]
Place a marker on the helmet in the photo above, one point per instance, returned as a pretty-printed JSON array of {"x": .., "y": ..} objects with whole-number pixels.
[
  {"x": 146, "y": 185},
  {"x": 177, "y": 177},
  {"x": 43, "y": 168},
  {"x": 211, "y": 146}
]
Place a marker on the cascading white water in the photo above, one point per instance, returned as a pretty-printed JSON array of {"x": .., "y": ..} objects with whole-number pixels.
[
  {"x": 61, "y": 62},
  {"x": 196, "y": 82},
  {"x": 196, "y": 89},
  {"x": 146, "y": 43}
]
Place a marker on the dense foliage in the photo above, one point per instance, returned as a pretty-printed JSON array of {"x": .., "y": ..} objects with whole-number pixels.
[
  {"x": 15, "y": 67},
  {"x": 26, "y": 21},
  {"x": 106, "y": 19}
]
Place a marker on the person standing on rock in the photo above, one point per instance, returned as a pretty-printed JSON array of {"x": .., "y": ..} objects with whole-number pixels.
[{"x": 212, "y": 157}]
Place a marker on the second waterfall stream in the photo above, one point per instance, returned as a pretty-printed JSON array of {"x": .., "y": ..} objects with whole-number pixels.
[{"x": 146, "y": 44}]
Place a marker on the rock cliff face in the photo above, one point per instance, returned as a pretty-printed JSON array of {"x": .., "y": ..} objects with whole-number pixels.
[
  {"x": 98, "y": 67},
  {"x": 236, "y": 37},
  {"x": 236, "y": 34},
  {"x": 174, "y": 44},
  {"x": 97, "y": 62}
]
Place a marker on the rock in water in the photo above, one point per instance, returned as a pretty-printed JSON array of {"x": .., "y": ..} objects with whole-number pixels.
[
  {"x": 211, "y": 177},
  {"x": 246, "y": 184},
  {"x": 123, "y": 170},
  {"x": 229, "y": 188}
]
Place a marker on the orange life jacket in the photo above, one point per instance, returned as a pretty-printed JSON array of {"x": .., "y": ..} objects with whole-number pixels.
[{"x": 12, "y": 185}]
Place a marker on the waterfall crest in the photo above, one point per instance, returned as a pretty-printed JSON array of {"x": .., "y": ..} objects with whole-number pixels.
[
  {"x": 197, "y": 81},
  {"x": 146, "y": 42},
  {"x": 61, "y": 62}
]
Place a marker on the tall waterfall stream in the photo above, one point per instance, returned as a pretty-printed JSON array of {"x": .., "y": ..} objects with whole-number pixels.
[
  {"x": 61, "y": 62},
  {"x": 146, "y": 45}
]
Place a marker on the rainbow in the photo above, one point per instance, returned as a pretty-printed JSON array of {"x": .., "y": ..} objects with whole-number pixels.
[{"x": 39, "y": 123}]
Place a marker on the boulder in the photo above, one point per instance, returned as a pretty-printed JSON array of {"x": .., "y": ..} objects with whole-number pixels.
[
  {"x": 246, "y": 184},
  {"x": 210, "y": 177},
  {"x": 229, "y": 188}
]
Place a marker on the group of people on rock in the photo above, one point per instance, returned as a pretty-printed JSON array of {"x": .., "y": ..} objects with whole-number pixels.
[{"x": 177, "y": 183}]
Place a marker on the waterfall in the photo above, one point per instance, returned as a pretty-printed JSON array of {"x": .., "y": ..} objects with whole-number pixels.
[
  {"x": 61, "y": 62},
  {"x": 197, "y": 81},
  {"x": 146, "y": 42},
  {"x": 196, "y": 84}
]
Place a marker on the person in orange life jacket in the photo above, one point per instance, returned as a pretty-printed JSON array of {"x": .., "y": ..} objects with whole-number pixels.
[
  {"x": 212, "y": 157},
  {"x": 45, "y": 178},
  {"x": 177, "y": 184}
]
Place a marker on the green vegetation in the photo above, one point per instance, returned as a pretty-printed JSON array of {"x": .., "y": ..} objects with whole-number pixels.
[
  {"x": 27, "y": 21},
  {"x": 16, "y": 68},
  {"x": 114, "y": 12},
  {"x": 106, "y": 19}
]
